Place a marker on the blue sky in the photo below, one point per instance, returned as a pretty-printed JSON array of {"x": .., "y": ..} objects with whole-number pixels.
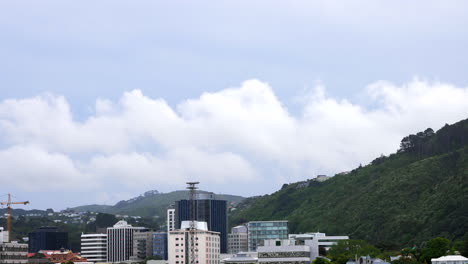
[{"x": 113, "y": 75}]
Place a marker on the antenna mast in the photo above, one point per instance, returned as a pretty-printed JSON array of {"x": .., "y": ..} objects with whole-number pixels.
[{"x": 192, "y": 187}]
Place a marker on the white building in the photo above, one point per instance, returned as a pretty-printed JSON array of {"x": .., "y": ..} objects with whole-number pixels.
[
  {"x": 120, "y": 241},
  {"x": 323, "y": 240},
  {"x": 170, "y": 219},
  {"x": 13, "y": 253},
  {"x": 238, "y": 240},
  {"x": 451, "y": 259},
  {"x": 3, "y": 235},
  {"x": 94, "y": 247},
  {"x": 207, "y": 245},
  {"x": 278, "y": 251}
]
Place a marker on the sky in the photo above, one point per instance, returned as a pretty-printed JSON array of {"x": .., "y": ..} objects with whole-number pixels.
[{"x": 101, "y": 101}]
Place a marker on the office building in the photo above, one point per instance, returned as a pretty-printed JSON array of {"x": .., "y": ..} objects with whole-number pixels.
[
  {"x": 47, "y": 238},
  {"x": 171, "y": 220},
  {"x": 324, "y": 241},
  {"x": 94, "y": 247},
  {"x": 13, "y": 253},
  {"x": 160, "y": 245},
  {"x": 142, "y": 244},
  {"x": 207, "y": 245},
  {"x": 209, "y": 210},
  {"x": 120, "y": 241},
  {"x": 258, "y": 231},
  {"x": 4, "y": 236},
  {"x": 238, "y": 240},
  {"x": 277, "y": 251}
]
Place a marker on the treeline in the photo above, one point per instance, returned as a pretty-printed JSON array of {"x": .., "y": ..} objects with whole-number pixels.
[{"x": 434, "y": 248}]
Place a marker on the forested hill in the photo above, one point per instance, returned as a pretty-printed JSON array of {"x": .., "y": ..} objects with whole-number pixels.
[{"x": 418, "y": 193}]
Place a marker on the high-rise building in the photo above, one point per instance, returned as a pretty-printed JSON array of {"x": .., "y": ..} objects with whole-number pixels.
[
  {"x": 160, "y": 245},
  {"x": 94, "y": 247},
  {"x": 209, "y": 210},
  {"x": 170, "y": 219},
  {"x": 142, "y": 244},
  {"x": 47, "y": 238},
  {"x": 13, "y": 253},
  {"x": 207, "y": 245},
  {"x": 238, "y": 240},
  {"x": 120, "y": 241},
  {"x": 258, "y": 231}
]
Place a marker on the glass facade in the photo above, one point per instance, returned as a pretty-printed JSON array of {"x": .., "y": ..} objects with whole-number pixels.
[
  {"x": 47, "y": 238},
  {"x": 160, "y": 245},
  {"x": 261, "y": 230},
  {"x": 213, "y": 212}
]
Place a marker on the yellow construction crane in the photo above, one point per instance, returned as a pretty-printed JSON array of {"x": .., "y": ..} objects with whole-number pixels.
[{"x": 8, "y": 204}]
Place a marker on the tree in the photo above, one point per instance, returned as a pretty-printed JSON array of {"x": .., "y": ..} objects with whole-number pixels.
[
  {"x": 105, "y": 220},
  {"x": 436, "y": 247},
  {"x": 320, "y": 260},
  {"x": 349, "y": 249}
]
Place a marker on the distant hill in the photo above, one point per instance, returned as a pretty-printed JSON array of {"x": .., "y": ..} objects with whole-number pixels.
[
  {"x": 418, "y": 193},
  {"x": 151, "y": 203}
]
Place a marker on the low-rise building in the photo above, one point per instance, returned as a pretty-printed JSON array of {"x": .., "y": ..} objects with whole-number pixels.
[
  {"x": 4, "y": 236},
  {"x": 94, "y": 247},
  {"x": 13, "y": 253},
  {"x": 286, "y": 251},
  {"x": 323, "y": 240},
  {"x": 240, "y": 258},
  {"x": 450, "y": 259}
]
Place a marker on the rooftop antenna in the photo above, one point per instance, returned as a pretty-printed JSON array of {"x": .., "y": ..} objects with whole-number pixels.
[{"x": 192, "y": 187}]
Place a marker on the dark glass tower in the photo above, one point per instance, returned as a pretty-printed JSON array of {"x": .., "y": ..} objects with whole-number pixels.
[
  {"x": 209, "y": 210},
  {"x": 47, "y": 238}
]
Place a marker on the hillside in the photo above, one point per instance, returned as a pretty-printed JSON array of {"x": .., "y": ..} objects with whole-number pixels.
[
  {"x": 151, "y": 203},
  {"x": 411, "y": 196}
]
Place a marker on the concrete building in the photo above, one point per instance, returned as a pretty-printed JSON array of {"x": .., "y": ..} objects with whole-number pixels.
[
  {"x": 450, "y": 259},
  {"x": 142, "y": 244},
  {"x": 258, "y": 231},
  {"x": 94, "y": 247},
  {"x": 207, "y": 209},
  {"x": 278, "y": 251},
  {"x": 240, "y": 258},
  {"x": 171, "y": 222},
  {"x": 4, "y": 236},
  {"x": 324, "y": 241},
  {"x": 238, "y": 240},
  {"x": 207, "y": 245},
  {"x": 13, "y": 253},
  {"x": 160, "y": 245},
  {"x": 120, "y": 241},
  {"x": 47, "y": 238}
]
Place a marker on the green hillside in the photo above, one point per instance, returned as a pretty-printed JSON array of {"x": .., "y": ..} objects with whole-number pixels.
[
  {"x": 411, "y": 196},
  {"x": 151, "y": 203}
]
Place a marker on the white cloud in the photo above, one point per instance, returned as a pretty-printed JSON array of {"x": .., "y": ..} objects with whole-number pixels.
[{"x": 226, "y": 139}]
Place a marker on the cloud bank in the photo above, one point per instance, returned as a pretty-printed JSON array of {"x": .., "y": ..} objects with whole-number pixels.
[{"x": 241, "y": 140}]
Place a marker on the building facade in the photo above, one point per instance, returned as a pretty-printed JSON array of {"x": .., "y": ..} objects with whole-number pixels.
[
  {"x": 207, "y": 246},
  {"x": 142, "y": 244},
  {"x": 13, "y": 253},
  {"x": 120, "y": 241},
  {"x": 47, "y": 238},
  {"x": 160, "y": 245},
  {"x": 258, "y": 231},
  {"x": 4, "y": 236},
  {"x": 450, "y": 259},
  {"x": 171, "y": 223},
  {"x": 278, "y": 251},
  {"x": 94, "y": 247},
  {"x": 238, "y": 240},
  {"x": 209, "y": 210}
]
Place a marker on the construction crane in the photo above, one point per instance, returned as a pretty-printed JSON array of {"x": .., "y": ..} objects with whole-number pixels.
[{"x": 8, "y": 204}]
